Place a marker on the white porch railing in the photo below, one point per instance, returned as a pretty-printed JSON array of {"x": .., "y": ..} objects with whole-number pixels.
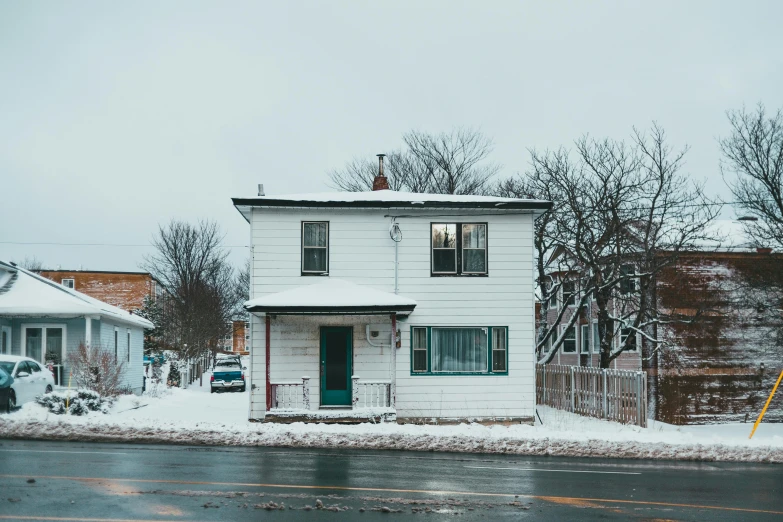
[
  {"x": 372, "y": 394},
  {"x": 291, "y": 395}
]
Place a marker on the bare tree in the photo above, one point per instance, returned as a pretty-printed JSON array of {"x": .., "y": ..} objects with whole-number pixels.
[
  {"x": 191, "y": 263},
  {"x": 447, "y": 163},
  {"x": 32, "y": 264},
  {"x": 456, "y": 160},
  {"x": 753, "y": 164},
  {"x": 622, "y": 213}
]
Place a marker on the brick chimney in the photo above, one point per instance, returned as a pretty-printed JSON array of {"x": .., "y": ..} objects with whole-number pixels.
[{"x": 380, "y": 182}]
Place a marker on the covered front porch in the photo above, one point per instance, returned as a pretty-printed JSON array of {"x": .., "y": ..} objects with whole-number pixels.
[{"x": 329, "y": 354}]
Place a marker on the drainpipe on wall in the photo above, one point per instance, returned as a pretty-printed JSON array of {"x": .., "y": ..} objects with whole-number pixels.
[{"x": 393, "y": 387}]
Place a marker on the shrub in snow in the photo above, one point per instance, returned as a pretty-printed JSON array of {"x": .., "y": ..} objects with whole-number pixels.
[
  {"x": 96, "y": 369},
  {"x": 79, "y": 402}
]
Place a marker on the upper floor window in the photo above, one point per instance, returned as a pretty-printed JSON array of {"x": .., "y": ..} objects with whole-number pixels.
[
  {"x": 67, "y": 283},
  {"x": 459, "y": 249},
  {"x": 627, "y": 283},
  {"x": 569, "y": 293},
  {"x": 315, "y": 247}
]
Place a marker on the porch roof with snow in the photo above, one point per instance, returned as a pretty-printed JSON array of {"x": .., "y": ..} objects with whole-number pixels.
[
  {"x": 26, "y": 294},
  {"x": 332, "y": 297},
  {"x": 392, "y": 199}
]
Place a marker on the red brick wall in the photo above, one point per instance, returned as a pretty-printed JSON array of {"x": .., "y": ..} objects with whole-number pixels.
[
  {"x": 126, "y": 291},
  {"x": 722, "y": 367}
]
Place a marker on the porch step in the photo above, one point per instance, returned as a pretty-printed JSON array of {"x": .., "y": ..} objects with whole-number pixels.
[{"x": 332, "y": 416}]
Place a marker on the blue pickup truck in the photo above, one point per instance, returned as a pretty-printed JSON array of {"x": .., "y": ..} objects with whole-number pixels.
[{"x": 228, "y": 374}]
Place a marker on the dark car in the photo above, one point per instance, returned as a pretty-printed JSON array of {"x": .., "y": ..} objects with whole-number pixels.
[{"x": 6, "y": 403}]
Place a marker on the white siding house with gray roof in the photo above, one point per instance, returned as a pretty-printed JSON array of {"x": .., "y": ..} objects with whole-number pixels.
[{"x": 333, "y": 275}]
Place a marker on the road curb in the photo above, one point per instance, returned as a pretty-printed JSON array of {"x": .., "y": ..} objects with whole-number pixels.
[{"x": 280, "y": 436}]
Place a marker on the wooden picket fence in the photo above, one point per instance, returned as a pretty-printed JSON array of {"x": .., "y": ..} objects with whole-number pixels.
[{"x": 616, "y": 395}]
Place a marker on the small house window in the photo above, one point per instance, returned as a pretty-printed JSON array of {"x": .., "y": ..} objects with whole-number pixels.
[
  {"x": 596, "y": 338},
  {"x": 627, "y": 281},
  {"x": 569, "y": 341},
  {"x": 459, "y": 249},
  {"x": 129, "y": 343},
  {"x": 499, "y": 350},
  {"x": 630, "y": 335},
  {"x": 315, "y": 247},
  {"x": 116, "y": 344},
  {"x": 419, "y": 349},
  {"x": 585, "y": 338},
  {"x": 569, "y": 293},
  {"x": 67, "y": 283},
  {"x": 452, "y": 350}
]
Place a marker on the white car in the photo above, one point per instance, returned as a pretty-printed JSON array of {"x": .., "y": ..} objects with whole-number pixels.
[{"x": 30, "y": 378}]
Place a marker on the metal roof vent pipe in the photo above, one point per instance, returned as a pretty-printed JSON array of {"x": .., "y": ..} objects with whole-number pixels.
[
  {"x": 260, "y": 189},
  {"x": 380, "y": 182}
]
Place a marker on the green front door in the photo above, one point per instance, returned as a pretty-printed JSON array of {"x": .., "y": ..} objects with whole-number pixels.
[{"x": 336, "y": 355}]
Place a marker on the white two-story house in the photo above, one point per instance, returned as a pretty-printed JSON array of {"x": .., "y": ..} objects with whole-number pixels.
[{"x": 391, "y": 305}]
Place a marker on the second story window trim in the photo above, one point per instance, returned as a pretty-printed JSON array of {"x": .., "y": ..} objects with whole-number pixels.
[
  {"x": 68, "y": 282},
  {"x": 459, "y": 249},
  {"x": 315, "y": 248}
]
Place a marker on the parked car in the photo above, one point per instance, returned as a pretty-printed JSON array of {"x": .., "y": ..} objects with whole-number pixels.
[
  {"x": 30, "y": 379},
  {"x": 5, "y": 391},
  {"x": 228, "y": 374}
]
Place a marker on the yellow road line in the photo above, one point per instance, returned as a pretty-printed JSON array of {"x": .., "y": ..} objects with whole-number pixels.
[{"x": 547, "y": 498}]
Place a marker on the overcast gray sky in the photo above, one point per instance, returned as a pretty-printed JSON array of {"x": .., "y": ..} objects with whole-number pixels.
[{"x": 115, "y": 117}]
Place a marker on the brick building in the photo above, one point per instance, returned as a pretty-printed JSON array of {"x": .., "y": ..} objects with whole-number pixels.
[
  {"x": 125, "y": 290},
  {"x": 239, "y": 339},
  {"x": 719, "y": 363}
]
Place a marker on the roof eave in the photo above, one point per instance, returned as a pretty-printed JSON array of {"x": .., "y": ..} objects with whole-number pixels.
[
  {"x": 333, "y": 310},
  {"x": 541, "y": 206}
]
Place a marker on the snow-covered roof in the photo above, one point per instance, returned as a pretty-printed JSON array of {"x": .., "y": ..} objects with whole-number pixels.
[
  {"x": 26, "y": 294},
  {"x": 391, "y": 199},
  {"x": 334, "y": 296}
]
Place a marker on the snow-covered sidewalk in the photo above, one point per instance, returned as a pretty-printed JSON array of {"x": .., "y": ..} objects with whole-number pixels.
[{"x": 194, "y": 416}]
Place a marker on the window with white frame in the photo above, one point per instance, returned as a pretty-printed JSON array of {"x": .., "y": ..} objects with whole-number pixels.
[
  {"x": 116, "y": 344},
  {"x": 452, "y": 350},
  {"x": 584, "y": 335},
  {"x": 128, "y": 337},
  {"x": 44, "y": 342},
  {"x": 315, "y": 247},
  {"x": 627, "y": 281},
  {"x": 67, "y": 283},
  {"x": 628, "y": 334},
  {"x": 459, "y": 249},
  {"x": 569, "y": 341},
  {"x": 569, "y": 293},
  {"x": 596, "y": 338}
]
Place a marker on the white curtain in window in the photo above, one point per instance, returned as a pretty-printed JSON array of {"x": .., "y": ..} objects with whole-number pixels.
[{"x": 459, "y": 350}]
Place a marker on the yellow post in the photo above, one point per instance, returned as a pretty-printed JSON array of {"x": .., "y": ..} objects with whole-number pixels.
[
  {"x": 68, "y": 397},
  {"x": 761, "y": 416}
]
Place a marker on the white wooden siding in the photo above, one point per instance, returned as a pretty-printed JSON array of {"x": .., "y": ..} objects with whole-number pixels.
[{"x": 361, "y": 251}]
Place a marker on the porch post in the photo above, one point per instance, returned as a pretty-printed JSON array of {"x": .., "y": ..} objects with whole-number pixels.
[
  {"x": 393, "y": 387},
  {"x": 87, "y": 330},
  {"x": 268, "y": 374}
]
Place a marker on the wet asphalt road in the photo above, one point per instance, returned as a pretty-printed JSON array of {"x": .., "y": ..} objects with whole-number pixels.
[{"x": 92, "y": 481}]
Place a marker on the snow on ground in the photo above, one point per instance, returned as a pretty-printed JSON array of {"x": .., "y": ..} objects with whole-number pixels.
[{"x": 194, "y": 416}]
